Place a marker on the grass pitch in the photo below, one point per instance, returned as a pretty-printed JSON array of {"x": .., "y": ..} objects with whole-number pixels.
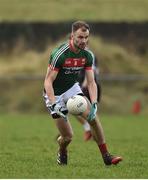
[{"x": 28, "y": 148}]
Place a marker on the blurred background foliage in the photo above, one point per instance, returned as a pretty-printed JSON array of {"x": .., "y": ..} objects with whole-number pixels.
[{"x": 22, "y": 68}]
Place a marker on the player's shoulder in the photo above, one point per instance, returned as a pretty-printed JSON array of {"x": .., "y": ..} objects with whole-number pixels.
[
  {"x": 89, "y": 53},
  {"x": 59, "y": 50}
]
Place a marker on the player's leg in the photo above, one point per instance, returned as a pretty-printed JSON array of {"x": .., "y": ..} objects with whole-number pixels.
[
  {"x": 64, "y": 127},
  {"x": 97, "y": 131},
  {"x": 87, "y": 130},
  {"x": 98, "y": 135},
  {"x": 108, "y": 159},
  {"x": 66, "y": 133}
]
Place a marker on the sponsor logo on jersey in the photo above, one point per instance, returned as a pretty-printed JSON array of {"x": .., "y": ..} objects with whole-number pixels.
[
  {"x": 74, "y": 62},
  {"x": 72, "y": 70}
]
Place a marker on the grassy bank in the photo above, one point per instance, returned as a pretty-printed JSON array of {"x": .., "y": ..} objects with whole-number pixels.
[
  {"x": 26, "y": 95},
  {"x": 112, "y": 58},
  {"x": 94, "y": 10}
]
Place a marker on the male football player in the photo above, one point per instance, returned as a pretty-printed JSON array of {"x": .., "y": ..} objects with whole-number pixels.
[{"x": 61, "y": 83}]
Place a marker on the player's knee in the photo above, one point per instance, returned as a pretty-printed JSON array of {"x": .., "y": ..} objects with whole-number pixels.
[
  {"x": 64, "y": 140},
  {"x": 70, "y": 136},
  {"x": 67, "y": 139}
]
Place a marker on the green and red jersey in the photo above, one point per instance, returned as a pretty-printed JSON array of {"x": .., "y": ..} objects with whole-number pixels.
[{"x": 68, "y": 63}]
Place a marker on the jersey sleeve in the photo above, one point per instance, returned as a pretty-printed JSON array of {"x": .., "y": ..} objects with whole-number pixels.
[
  {"x": 54, "y": 61},
  {"x": 89, "y": 60}
]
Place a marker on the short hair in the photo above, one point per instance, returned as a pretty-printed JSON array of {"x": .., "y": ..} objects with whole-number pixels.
[{"x": 80, "y": 25}]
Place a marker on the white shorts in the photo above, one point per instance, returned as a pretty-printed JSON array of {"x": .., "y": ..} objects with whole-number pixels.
[{"x": 63, "y": 98}]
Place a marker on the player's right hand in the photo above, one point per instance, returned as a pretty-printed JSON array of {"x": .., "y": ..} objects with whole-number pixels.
[{"x": 56, "y": 109}]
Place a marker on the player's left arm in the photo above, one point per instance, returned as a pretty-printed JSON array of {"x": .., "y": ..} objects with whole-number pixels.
[
  {"x": 91, "y": 84},
  {"x": 92, "y": 88},
  {"x": 89, "y": 75}
]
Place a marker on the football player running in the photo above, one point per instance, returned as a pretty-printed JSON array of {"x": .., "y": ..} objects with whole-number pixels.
[{"x": 61, "y": 83}]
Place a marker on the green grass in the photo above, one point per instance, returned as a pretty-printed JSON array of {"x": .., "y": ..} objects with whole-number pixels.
[
  {"x": 28, "y": 148},
  {"x": 63, "y": 10}
]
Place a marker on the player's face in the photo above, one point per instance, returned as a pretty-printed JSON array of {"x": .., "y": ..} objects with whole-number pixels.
[{"x": 80, "y": 38}]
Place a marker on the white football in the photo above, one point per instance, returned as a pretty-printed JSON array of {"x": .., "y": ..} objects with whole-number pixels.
[{"x": 76, "y": 105}]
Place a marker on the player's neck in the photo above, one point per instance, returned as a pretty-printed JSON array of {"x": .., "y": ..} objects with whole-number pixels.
[{"x": 73, "y": 47}]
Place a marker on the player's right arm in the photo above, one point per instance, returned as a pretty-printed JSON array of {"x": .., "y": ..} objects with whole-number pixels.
[{"x": 48, "y": 84}]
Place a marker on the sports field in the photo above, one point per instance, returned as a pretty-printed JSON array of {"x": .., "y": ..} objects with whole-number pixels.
[{"x": 28, "y": 148}]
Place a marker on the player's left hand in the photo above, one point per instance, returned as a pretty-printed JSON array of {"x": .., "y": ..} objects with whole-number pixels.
[{"x": 93, "y": 111}]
